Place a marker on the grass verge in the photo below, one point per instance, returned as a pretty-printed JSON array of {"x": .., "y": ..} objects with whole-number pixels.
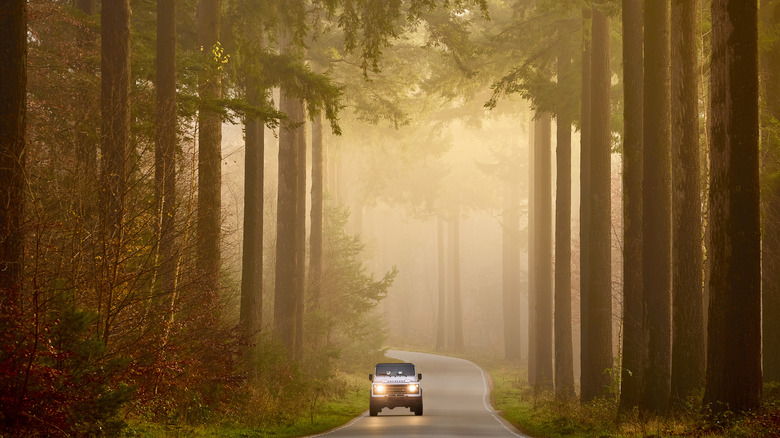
[
  {"x": 540, "y": 415},
  {"x": 331, "y": 412}
]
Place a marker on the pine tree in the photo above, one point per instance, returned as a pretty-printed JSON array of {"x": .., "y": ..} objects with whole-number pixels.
[
  {"x": 633, "y": 333},
  {"x": 209, "y": 147},
  {"x": 564, "y": 362},
  {"x": 599, "y": 289},
  {"x": 165, "y": 146},
  {"x": 687, "y": 373},
  {"x": 115, "y": 141},
  {"x": 656, "y": 209},
  {"x": 543, "y": 291},
  {"x": 733, "y": 381}
]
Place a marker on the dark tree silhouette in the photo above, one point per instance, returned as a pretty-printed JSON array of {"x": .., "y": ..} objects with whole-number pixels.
[
  {"x": 585, "y": 121},
  {"x": 687, "y": 374},
  {"x": 251, "y": 312},
  {"x": 286, "y": 226},
  {"x": 656, "y": 209},
  {"x": 209, "y": 149},
  {"x": 564, "y": 365},
  {"x": 733, "y": 381},
  {"x": 633, "y": 333},
  {"x": 543, "y": 251},
  {"x": 599, "y": 289}
]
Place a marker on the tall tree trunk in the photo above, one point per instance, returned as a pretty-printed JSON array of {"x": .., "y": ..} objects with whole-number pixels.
[
  {"x": 86, "y": 147},
  {"x": 770, "y": 143},
  {"x": 286, "y": 248},
  {"x": 441, "y": 314},
  {"x": 315, "y": 241},
  {"x": 532, "y": 228},
  {"x": 251, "y": 312},
  {"x": 13, "y": 108},
  {"x": 656, "y": 208},
  {"x": 300, "y": 232},
  {"x": 165, "y": 146},
  {"x": 733, "y": 381},
  {"x": 564, "y": 366},
  {"x": 13, "y": 70},
  {"x": 599, "y": 289},
  {"x": 209, "y": 152},
  {"x": 585, "y": 120},
  {"x": 543, "y": 251},
  {"x": 511, "y": 270},
  {"x": 115, "y": 139},
  {"x": 687, "y": 318},
  {"x": 456, "y": 314},
  {"x": 633, "y": 332}
]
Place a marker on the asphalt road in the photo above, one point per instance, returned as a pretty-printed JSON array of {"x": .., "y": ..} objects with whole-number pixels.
[{"x": 456, "y": 403}]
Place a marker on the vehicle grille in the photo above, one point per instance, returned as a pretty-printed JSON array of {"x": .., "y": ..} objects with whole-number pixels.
[{"x": 396, "y": 390}]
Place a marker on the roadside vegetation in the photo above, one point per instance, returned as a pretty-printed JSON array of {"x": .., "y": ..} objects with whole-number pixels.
[
  {"x": 310, "y": 406},
  {"x": 541, "y": 415}
]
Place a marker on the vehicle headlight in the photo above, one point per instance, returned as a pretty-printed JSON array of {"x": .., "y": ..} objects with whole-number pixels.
[
  {"x": 379, "y": 389},
  {"x": 413, "y": 387}
]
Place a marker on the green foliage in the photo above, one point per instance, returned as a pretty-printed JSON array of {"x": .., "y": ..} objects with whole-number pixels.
[{"x": 55, "y": 376}]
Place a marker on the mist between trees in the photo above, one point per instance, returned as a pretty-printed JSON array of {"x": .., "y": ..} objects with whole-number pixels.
[{"x": 215, "y": 210}]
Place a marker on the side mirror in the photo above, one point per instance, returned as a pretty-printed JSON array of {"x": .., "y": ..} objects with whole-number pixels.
[
  {"x": 419, "y": 376},
  {"x": 371, "y": 377}
]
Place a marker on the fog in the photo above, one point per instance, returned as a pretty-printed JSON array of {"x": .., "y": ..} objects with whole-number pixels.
[{"x": 393, "y": 180}]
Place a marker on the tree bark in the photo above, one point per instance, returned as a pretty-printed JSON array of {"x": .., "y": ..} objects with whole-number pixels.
[
  {"x": 511, "y": 270},
  {"x": 564, "y": 366},
  {"x": 286, "y": 225},
  {"x": 165, "y": 146},
  {"x": 315, "y": 241},
  {"x": 656, "y": 208},
  {"x": 770, "y": 162},
  {"x": 300, "y": 231},
  {"x": 733, "y": 381},
  {"x": 599, "y": 289},
  {"x": 585, "y": 120},
  {"x": 209, "y": 152},
  {"x": 633, "y": 332},
  {"x": 687, "y": 318},
  {"x": 13, "y": 70},
  {"x": 251, "y": 312},
  {"x": 543, "y": 251},
  {"x": 532, "y": 228},
  {"x": 115, "y": 139}
]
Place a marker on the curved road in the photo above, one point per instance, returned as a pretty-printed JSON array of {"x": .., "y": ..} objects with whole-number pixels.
[{"x": 456, "y": 404}]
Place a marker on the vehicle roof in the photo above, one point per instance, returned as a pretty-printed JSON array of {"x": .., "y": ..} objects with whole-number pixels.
[{"x": 394, "y": 363}]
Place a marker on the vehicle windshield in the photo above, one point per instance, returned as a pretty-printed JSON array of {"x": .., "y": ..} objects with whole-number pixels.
[{"x": 395, "y": 369}]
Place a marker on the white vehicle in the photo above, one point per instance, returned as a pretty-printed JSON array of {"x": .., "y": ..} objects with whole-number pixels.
[{"x": 395, "y": 385}]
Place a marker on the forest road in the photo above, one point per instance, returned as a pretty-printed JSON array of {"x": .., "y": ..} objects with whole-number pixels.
[{"x": 456, "y": 402}]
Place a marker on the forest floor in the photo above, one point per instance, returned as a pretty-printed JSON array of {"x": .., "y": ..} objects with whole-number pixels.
[{"x": 541, "y": 416}]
